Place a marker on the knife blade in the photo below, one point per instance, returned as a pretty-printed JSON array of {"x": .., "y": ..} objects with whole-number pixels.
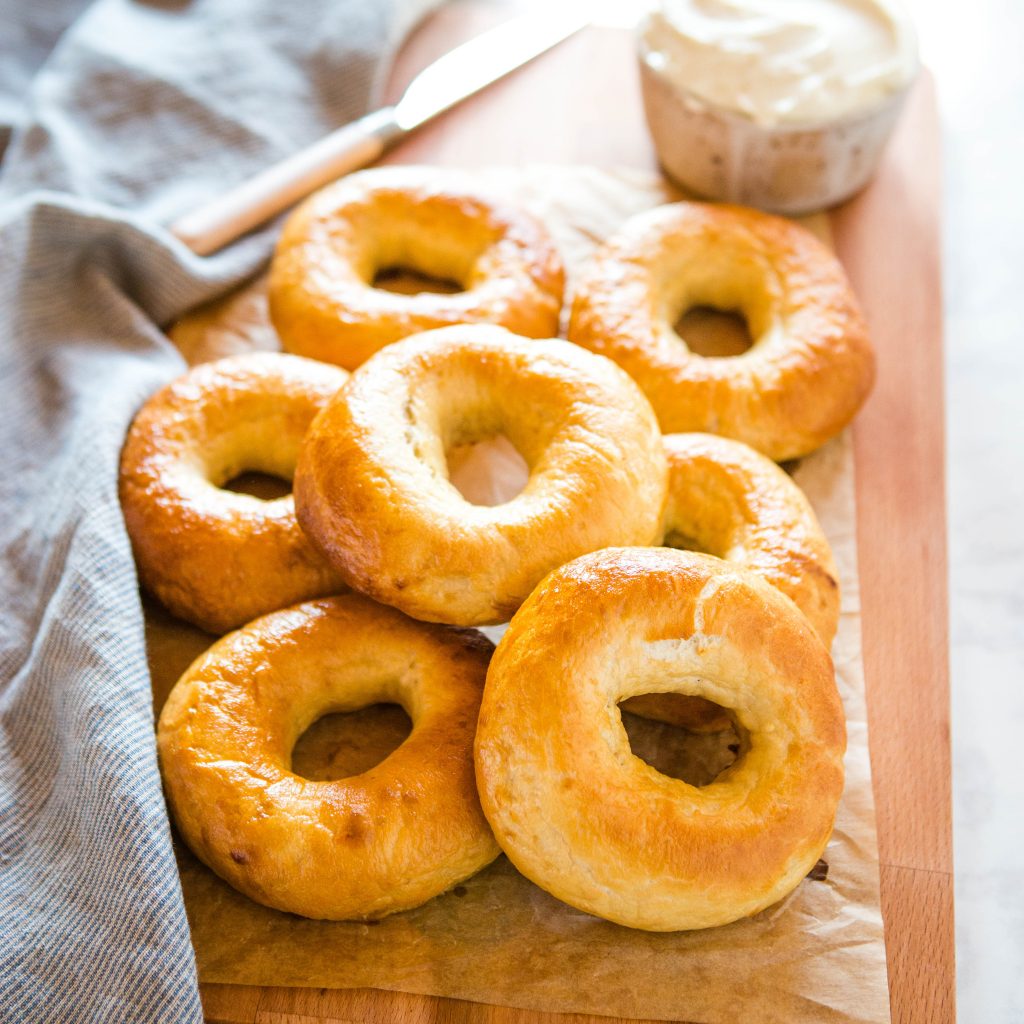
[{"x": 459, "y": 74}]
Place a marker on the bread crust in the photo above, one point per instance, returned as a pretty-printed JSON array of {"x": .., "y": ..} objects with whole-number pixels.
[
  {"x": 727, "y": 500},
  {"x": 322, "y": 300},
  {"x": 216, "y": 558},
  {"x": 600, "y": 829},
  {"x": 359, "y": 847},
  {"x": 811, "y": 365},
  {"x": 740, "y": 506}
]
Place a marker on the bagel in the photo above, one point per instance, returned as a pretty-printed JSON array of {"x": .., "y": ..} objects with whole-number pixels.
[
  {"x": 352, "y": 848},
  {"x": 214, "y": 557},
  {"x": 372, "y": 487},
  {"x": 322, "y": 296},
  {"x": 810, "y": 366},
  {"x": 586, "y": 820},
  {"x": 727, "y": 500}
]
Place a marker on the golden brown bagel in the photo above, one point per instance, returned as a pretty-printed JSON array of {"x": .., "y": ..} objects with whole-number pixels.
[
  {"x": 811, "y": 365},
  {"x": 584, "y": 818},
  {"x": 358, "y": 847},
  {"x": 372, "y": 487},
  {"x": 322, "y": 299},
  {"x": 727, "y": 500},
  {"x": 214, "y": 557}
]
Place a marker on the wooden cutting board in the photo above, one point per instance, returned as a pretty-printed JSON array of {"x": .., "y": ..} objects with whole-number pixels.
[{"x": 581, "y": 104}]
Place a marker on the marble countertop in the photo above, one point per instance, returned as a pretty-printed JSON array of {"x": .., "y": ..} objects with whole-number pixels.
[{"x": 975, "y": 55}]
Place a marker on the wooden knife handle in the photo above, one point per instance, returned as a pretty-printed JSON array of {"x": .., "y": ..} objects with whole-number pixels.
[{"x": 255, "y": 201}]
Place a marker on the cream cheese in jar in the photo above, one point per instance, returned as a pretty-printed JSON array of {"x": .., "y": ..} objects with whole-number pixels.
[
  {"x": 783, "y": 61},
  {"x": 807, "y": 88}
]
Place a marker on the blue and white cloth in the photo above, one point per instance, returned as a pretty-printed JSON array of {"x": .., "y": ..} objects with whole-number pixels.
[{"x": 115, "y": 117}]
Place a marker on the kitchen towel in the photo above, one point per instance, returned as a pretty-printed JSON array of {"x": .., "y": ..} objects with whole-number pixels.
[{"x": 115, "y": 117}]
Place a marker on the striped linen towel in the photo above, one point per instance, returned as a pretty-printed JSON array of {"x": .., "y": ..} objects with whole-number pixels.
[{"x": 117, "y": 116}]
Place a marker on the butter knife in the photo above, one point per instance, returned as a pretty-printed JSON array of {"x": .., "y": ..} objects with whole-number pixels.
[{"x": 457, "y": 75}]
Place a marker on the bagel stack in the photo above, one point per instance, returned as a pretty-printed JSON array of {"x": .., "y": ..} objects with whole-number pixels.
[{"x": 371, "y": 575}]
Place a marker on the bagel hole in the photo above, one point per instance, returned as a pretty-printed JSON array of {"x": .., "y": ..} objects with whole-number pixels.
[
  {"x": 714, "y": 333},
  {"x": 407, "y": 281},
  {"x": 488, "y": 472},
  {"x": 681, "y": 541},
  {"x": 684, "y": 542},
  {"x": 345, "y": 743},
  {"x": 692, "y": 739},
  {"x": 264, "y": 486}
]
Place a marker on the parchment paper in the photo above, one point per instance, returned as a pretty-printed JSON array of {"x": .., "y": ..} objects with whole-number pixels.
[{"x": 816, "y": 957}]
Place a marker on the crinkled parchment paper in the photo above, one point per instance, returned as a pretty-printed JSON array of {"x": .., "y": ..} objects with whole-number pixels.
[{"x": 816, "y": 957}]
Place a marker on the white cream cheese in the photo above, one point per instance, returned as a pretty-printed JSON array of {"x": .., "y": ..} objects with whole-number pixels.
[{"x": 783, "y": 62}]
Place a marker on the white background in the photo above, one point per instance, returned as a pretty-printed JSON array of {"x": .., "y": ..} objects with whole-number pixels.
[{"x": 975, "y": 52}]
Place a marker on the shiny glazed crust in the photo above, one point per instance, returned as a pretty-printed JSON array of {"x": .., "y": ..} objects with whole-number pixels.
[
  {"x": 322, "y": 298},
  {"x": 214, "y": 557},
  {"x": 358, "y": 847},
  {"x": 372, "y": 487},
  {"x": 584, "y": 818},
  {"x": 727, "y": 500},
  {"x": 811, "y": 365}
]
